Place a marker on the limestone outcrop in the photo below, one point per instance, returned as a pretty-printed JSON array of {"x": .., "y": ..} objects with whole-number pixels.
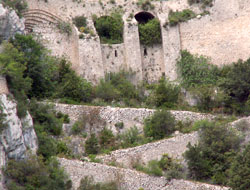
[
  {"x": 17, "y": 135},
  {"x": 10, "y": 23}
]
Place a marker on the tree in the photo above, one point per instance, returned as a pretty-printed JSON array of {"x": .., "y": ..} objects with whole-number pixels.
[
  {"x": 160, "y": 125},
  {"x": 212, "y": 156},
  {"x": 240, "y": 171}
]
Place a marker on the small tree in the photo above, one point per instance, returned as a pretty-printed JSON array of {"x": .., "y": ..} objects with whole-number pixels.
[
  {"x": 91, "y": 145},
  {"x": 212, "y": 156},
  {"x": 160, "y": 125},
  {"x": 240, "y": 171}
]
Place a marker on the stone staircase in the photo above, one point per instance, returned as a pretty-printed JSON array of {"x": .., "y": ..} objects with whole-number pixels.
[{"x": 34, "y": 17}]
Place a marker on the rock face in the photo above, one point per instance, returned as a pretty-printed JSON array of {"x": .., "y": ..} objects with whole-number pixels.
[
  {"x": 10, "y": 23},
  {"x": 17, "y": 135}
]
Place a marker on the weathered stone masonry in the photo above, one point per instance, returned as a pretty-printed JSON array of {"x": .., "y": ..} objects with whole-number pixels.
[{"x": 222, "y": 35}]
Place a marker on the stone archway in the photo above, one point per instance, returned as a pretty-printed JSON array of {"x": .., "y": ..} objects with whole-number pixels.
[{"x": 144, "y": 17}]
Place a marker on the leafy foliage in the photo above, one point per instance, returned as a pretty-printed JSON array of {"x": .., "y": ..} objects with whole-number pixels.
[
  {"x": 204, "y": 3},
  {"x": 110, "y": 28},
  {"x": 117, "y": 86},
  {"x": 180, "y": 16},
  {"x": 18, "y": 5},
  {"x": 240, "y": 171},
  {"x": 80, "y": 21},
  {"x": 145, "y": 5},
  {"x": 91, "y": 145},
  {"x": 164, "y": 94},
  {"x": 87, "y": 183},
  {"x": 65, "y": 27},
  {"x": 196, "y": 70},
  {"x": 160, "y": 125},
  {"x": 212, "y": 156},
  {"x": 147, "y": 29},
  {"x": 34, "y": 174}
]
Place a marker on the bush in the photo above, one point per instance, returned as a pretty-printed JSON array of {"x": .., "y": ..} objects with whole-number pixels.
[
  {"x": 204, "y": 3},
  {"x": 237, "y": 82},
  {"x": 239, "y": 172},
  {"x": 18, "y": 5},
  {"x": 80, "y": 21},
  {"x": 87, "y": 183},
  {"x": 110, "y": 28},
  {"x": 117, "y": 86},
  {"x": 164, "y": 94},
  {"x": 131, "y": 138},
  {"x": 72, "y": 86},
  {"x": 34, "y": 174},
  {"x": 147, "y": 29},
  {"x": 160, "y": 125},
  {"x": 44, "y": 116},
  {"x": 212, "y": 156},
  {"x": 65, "y": 27},
  {"x": 107, "y": 139},
  {"x": 91, "y": 145},
  {"x": 145, "y": 5},
  {"x": 195, "y": 70},
  {"x": 39, "y": 67},
  {"x": 183, "y": 16}
]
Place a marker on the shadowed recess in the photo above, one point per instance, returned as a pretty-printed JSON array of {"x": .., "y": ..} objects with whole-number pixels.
[{"x": 143, "y": 17}]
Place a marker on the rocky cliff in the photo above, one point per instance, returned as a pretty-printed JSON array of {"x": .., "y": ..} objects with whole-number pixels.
[
  {"x": 17, "y": 136},
  {"x": 10, "y": 23}
]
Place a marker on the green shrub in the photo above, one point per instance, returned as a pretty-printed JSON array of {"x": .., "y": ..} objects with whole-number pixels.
[
  {"x": 237, "y": 82},
  {"x": 65, "y": 28},
  {"x": 160, "y": 125},
  {"x": 110, "y": 28},
  {"x": 18, "y": 5},
  {"x": 44, "y": 116},
  {"x": 38, "y": 67},
  {"x": 107, "y": 139},
  {"x": 165, "y": 166},
  {"x": 205, "y": 3},
  {"x": 195, "y": 70},
  {"x": 91, "y": 145},
  {"x": 80, "y": 21},
  {"x": 239, "y": 172},
  {"x": 164, "y": 94},
  {"x": 212, "y": 156},
  {"x": 117, "y": 86},
  {"x": 147, "y": 29},
  {"x": 33, "y": 174},
  {"x": 87, "y": 183},
  {"x": 72, "y": 86},
  {"x": 145, "y": 5},
  {"x": 180, "y": 16}
]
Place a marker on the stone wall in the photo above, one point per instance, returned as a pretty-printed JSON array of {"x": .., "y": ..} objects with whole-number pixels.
[
  {"x": 129, "y": 116},
  {"x": 153, "y": 63},
  {"x": 174, "y": 147},
  {"x": 221, "y": 35},
  {"x": 113, "y": 57},
  {"x": 126, "y": 178}
]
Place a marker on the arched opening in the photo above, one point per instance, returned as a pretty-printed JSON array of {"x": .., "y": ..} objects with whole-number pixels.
[{"x": 144, "y": 17}]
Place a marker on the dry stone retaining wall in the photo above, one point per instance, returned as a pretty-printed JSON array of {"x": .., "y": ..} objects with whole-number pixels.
[
  {"x": 129, "y": 116},
  {"x": 128, "y": 179},
  {"x": 174, "y": 147}
]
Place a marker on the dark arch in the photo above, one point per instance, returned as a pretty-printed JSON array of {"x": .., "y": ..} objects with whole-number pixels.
[{"x": 144, "y": 17}]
